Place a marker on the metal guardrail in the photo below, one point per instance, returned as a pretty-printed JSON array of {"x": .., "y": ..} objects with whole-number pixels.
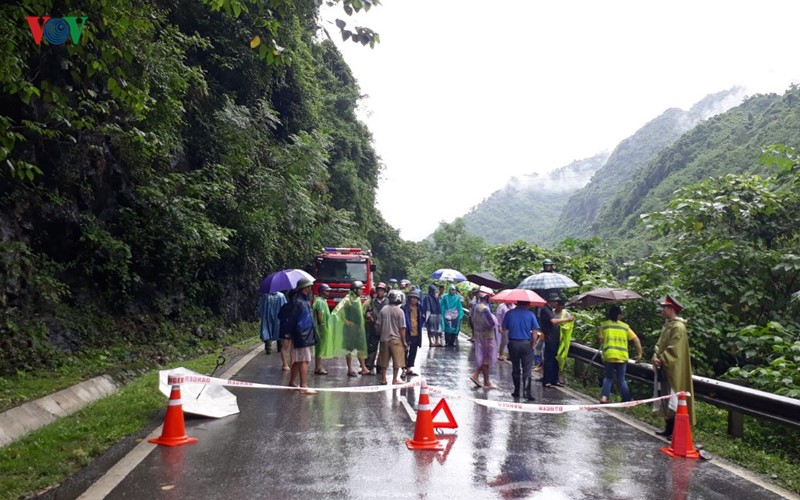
[{"x": 736, "y": 399}]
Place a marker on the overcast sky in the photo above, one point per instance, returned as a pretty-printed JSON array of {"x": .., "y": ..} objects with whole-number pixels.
[{"x": 463, "y": 95}]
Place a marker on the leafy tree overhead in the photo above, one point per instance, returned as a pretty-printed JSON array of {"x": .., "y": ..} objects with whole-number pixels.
[
  {"x": 453, "y": 247},
  {"x": 159, "y": 168}
]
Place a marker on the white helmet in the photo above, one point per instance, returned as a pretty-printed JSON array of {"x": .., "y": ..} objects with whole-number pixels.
[{"x": 396, "y": 297}]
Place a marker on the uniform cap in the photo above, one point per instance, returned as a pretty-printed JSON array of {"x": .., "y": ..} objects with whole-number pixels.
[{"x": 669, "y": 301}]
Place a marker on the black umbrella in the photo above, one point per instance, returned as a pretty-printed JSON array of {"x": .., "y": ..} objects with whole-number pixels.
[
  {"x": 486, "y": 279},
  {"x": 604, "y": 296}
]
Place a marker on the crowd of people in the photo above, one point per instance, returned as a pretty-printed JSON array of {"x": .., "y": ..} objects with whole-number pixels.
[{"x": 390, "y": 324}]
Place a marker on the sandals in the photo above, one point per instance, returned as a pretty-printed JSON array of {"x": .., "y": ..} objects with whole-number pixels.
[
  {"x": 353, "y": 374},
  {"x": 549, "y": 386},
  {"x": 307, "y": 391},
  {"x": 474, "y": 381},
  {"x": 320, "y": 372}
]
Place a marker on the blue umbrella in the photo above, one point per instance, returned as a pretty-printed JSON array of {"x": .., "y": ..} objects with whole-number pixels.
[
  {"x": 448, "y": 275},
  {"x": 281, "y": 281}
]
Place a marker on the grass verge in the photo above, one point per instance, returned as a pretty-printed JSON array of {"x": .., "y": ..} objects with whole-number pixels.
[
  {"x": 46, "y": 457},
  {"x": 768, "y": 449}
]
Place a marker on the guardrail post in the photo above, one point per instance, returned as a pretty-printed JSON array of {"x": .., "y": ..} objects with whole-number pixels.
[
  {"x": 735, "y": 424},
  {"x": 580, "y": 367}
]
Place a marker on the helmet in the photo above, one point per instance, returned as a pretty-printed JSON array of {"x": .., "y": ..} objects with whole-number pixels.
[
  {"x": 381, "y": 285},
  {"x": 392, "y": 280},
  {"x": 356, "y": 285},
  {"x": 304, "y": 282},
  {"x": 396, "y": 297},
  {"x": 547, "y": 262},
  {"x": 404, "y": 282},
  {"x": 324, "y": 287}
]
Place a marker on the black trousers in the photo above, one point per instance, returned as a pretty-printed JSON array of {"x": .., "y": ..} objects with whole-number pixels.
[
  {"x": 550, "y": 375},
  {"x": 521, "y": 354},
  {"x": 373, "y": 341}
]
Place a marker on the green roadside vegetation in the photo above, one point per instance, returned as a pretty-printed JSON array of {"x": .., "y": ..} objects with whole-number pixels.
[
  {"x": 768, "y": 449},
  {"x": 43, "y": 459},
  {"x": 126, "y": 356}
]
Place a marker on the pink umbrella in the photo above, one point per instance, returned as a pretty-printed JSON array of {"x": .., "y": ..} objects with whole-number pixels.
[{"x": 519, "y": 295}]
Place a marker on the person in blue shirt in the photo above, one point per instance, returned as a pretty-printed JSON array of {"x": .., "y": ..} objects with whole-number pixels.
[{"x": 523, "y": 332}]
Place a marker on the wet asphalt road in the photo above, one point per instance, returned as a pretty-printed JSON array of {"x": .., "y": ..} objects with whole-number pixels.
[{"x": 331, "y": 445}]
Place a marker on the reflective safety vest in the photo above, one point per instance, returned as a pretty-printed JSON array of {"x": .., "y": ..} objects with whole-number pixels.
[{"x": 615, "y": 341}]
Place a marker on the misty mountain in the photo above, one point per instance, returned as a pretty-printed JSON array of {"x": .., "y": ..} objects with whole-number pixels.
[
  {"x": 546, "y": 208},
  {"x": 729, "y": 143},
  {"x": 528, "y": 207},
  {"x": 629, "y": 157}
]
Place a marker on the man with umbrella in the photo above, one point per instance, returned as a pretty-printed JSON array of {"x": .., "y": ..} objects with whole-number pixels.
[
  {"x": 523, "y": 331},
  {"x": 551, "y": 326}
]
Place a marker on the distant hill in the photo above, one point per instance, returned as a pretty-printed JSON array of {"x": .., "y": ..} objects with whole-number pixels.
[
  {"x": 546, "y": 208},
  {"x": 629, "y": 157},
  {"x": 528, "y": 207},
  {"x": 727, "y": 143}
]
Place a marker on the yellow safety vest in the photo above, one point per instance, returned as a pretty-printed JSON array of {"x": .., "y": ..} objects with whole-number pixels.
[{"x": 615, "y": 341}]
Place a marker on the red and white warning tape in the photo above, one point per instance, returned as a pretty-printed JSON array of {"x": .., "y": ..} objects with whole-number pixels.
[
  {"x": 500, "y": 405},
  {"x": 195, "y": 379},
  {"x": 540, "y": 408}
]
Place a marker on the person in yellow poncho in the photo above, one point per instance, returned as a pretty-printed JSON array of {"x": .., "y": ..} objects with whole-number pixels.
[
  {"x": 564, "y": 341},
  {"x": 673, "y": 360},
  {"x": 346, "y": 329}
]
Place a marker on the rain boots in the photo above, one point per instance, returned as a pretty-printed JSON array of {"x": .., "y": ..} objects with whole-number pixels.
[
  {"x": 528, "y": 393},
  {"x": 667, "y": 432}
]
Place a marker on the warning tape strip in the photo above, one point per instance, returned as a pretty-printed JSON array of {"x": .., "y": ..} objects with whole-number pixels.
[
  {"x": 501, "y": 405},
  {"x": 196, "y": 379},
  {"x": 539, "y": 408}
]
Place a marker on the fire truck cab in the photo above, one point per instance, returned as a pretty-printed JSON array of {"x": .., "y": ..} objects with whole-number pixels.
[{"x": 338, "y": 267}]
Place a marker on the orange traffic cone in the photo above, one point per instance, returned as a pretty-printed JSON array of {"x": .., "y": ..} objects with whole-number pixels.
[
  {"x": 173, "y": 433},
  {"x": 682, "y": 445},
  {"x": 424, "y": 438}
]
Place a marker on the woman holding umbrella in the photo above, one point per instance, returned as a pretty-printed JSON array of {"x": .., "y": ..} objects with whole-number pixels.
[{"x": 452, "y": 313}]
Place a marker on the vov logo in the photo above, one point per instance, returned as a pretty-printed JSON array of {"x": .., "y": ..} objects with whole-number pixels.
[{"x": 56, "y": 30}]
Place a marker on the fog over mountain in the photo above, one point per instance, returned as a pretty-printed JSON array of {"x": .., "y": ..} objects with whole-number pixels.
[{"x": 546, "y": 208}]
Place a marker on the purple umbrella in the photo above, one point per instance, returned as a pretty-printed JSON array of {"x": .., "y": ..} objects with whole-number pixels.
[{"x": 281, "y": 281}]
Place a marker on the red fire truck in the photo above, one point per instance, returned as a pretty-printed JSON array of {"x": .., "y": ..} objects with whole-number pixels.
[{"x": 338, "y": 267}]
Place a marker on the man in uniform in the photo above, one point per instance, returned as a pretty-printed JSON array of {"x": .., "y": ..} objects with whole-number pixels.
[
  {"x": 672, "y": 360},
  {"x": 371, "y": 314}
]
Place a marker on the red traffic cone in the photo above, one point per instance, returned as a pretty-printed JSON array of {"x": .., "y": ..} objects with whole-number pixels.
[
  {"x": 682, "y": 445},
  {"x": 173, "y": 433},
  {"x": 424, "y": 438}
]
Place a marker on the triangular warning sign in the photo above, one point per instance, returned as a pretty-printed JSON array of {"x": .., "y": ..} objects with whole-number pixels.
[{"x": 451, "y": 421}]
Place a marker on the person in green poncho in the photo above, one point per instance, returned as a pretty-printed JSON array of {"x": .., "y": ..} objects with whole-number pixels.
[
  {"x": 452, "y": 313},
  {"x": 346, "y": 327},
  {"x": 565, "y": 339},
  {"x": 673, "y": 360},
  {"x": 321, "y": 316}
]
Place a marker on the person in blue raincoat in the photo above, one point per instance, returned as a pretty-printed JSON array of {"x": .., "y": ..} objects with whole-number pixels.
[
  {"x": 452, "y": 313},
  {"x": 268, "y": 306}
]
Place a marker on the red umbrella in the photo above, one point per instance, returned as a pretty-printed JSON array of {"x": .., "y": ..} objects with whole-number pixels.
[{"x": 518, "y": 294}]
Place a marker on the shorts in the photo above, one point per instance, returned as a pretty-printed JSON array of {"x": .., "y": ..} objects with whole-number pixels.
[
  {"x": 301, "y": 354},
  {"x": 393, "y": 348}
]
